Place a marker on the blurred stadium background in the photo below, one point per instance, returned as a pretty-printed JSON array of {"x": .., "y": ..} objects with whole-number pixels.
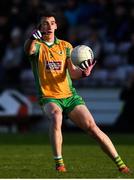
[{"x": 107, "y": 26}]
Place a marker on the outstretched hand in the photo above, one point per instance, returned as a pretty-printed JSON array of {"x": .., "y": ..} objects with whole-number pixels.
[
  {"x": 86, "y": 68},
  {"x": 36, "y": 34}
]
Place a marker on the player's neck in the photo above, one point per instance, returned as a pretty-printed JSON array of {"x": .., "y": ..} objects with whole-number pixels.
[{"x": 49, "y": 38}]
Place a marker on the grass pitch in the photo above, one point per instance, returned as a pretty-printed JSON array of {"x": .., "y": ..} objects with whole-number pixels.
[{"x": 29, "y": 156}]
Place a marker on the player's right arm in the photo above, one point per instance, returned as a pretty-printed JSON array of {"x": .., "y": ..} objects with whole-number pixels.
[{"x": 29, "y": 45}]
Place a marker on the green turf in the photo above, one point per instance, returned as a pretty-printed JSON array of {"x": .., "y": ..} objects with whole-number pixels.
[{"x": 29, "y": 156}]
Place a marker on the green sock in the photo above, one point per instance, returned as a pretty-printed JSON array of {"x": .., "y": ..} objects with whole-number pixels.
[
  {"x": 59, "y": 161},
  {"x": 119, "y": 162}
]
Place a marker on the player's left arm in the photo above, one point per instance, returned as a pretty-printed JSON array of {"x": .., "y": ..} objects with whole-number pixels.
[
  {"x": 79, "y": 72},
  {"x": 75, "y": 72}
]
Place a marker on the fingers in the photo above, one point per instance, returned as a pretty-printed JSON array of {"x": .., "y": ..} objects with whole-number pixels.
[
  {"x": 36, "y": 34},
  {"x": 84, "y": 64},
  {"x": 94, "y": 62},
  {"x": 87, "y": 63},
  {"x": 39, "y": 33}
]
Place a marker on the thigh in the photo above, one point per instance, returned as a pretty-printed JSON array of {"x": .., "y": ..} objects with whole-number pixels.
[
  {"x": 52, "y": 110},
  {"x": 82, "y": 117},
  {"x": 72, "y": 102}
]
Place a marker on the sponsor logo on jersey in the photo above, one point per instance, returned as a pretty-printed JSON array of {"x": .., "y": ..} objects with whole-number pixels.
[{"x": 53, "y": 65}]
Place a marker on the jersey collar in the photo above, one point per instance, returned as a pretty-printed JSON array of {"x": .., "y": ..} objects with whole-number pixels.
[{"x": 56, "y": 41}]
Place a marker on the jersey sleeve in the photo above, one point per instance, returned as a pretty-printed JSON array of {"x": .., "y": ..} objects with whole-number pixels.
[{"x": 69, "y": 49}]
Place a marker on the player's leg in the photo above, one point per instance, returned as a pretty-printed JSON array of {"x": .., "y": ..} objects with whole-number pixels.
[
  {"x": 81, "y": 116},
  {"x": 54, "y": 114}
]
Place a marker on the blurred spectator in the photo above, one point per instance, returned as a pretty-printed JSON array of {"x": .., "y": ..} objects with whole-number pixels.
[
  {"x": 12, "y": 58},
  {"x": 95, "y": 44},
  {"x": 4, "y": 32},
  {"x": 16, "y": 13},
  {"x": 27, "y": 83},
  {"x": 73, "y": 36},
  {"x": 130, "y": 54},
  {"x": 71, "y": 12},
  {"x": 125, "y": 120},
  {"x": 131, "y": 19},
  {"x": 118, "y": 29},
  {"x": 99, "y": 76}
]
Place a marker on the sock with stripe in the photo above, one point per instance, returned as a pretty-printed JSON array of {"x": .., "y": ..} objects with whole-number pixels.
[
  {"x": 59, "y": 161},
  {"x": 119, "y": 162}
]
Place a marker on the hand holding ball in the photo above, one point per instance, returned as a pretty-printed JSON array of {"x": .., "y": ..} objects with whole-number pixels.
[{"x": 82, "y": 56}]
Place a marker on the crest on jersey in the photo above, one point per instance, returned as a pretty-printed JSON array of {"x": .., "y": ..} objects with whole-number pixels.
[{"x": 60, "y": 52}]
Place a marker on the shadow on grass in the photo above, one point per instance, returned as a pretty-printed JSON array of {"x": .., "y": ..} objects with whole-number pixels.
[{"x": 69, "y": 138}]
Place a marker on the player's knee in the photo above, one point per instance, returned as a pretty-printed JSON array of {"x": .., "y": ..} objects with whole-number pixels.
[
  {"x": 56, "y": 120},
  {"x": 92, "y": 129},
  {"x": 89, "y": 127}
]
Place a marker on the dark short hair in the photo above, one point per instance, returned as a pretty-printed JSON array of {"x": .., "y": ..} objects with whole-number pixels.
[{"x": 48, "y": 13}]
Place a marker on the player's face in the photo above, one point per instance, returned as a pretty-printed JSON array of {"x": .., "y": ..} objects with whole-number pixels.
[{"x": 48, "y": 25}]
